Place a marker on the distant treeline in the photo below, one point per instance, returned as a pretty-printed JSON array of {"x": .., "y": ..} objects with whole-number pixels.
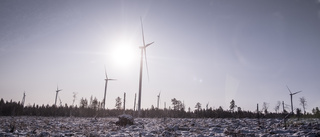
[{"x": 178, "y": 111}]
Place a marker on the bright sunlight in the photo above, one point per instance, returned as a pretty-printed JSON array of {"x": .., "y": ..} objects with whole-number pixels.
[{"x": 124, "y": 54}]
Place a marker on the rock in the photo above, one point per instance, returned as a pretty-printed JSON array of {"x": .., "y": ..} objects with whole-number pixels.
[
  {"x": 44, "y": 134},
  {"x": 69, "y": 134},
  {"x": 124, "y": 120},
  {"x": 166, "y": 133},
  {"x": 184, "y": 128},
  {"x": 94, "y": 120}
]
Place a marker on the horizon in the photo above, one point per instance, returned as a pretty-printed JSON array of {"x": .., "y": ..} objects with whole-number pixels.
[{"x": 207, "y": 52}]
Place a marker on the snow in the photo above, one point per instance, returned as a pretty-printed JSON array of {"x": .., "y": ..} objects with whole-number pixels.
[{"x": 76, "y": 126}]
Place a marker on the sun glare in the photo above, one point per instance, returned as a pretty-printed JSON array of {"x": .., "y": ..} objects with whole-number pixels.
[{"x": 123, "y": 55}]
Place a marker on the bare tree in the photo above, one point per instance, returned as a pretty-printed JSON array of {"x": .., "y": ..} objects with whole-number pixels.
[
  {"x": 303, "y": 103},
  {"x": 277, "y": 107},
  {"x": 265, "y": 107},
  {"x": 94, "y": 103},
  {"x": 118, "y": 103},
  {"x": 74, "y": 97},
  {"x": 83, "y": 103}
]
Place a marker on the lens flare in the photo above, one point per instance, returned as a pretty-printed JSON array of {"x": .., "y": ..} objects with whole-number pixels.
[{"x": 123, "y": 55}]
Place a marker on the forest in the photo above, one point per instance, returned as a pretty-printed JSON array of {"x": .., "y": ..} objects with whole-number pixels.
[{"x": 93, "y": 108}]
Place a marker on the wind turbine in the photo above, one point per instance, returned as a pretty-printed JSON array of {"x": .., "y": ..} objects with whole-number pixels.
[
  {"x": 291, "y": 94},
  {"x": 158, "y": 99},
  {"x": 143, "y": 50},
  {"x": 57, "y": 91},
  {"x": 105, "y": 88}
]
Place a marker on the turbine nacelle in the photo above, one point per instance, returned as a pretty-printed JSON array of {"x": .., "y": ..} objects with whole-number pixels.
[
  {"x": 105, "y": 71},
  {"x": 294, "y": 92},
  {"x": 58, "y": 89}
]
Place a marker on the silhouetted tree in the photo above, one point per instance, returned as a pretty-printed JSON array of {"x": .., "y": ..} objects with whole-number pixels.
[
  {"x": 118, "y": 103},
  {"x": 83, "y": 103},
  {"x": 220, "y": 108},
  {"x": 298, "y": 113},
  {"x": 74, "y": 97},
  {"x": 239, "y": 109},
  {"x": 177, "y": 105},
  {"x": 198, "y": 106},
  {"x": 94, "y": 104},
  {"x": 265, "y": 107},
  {"x": 303, "y": 103},
  {"x": 277, "y": 107},
  {"x": 316, "y": 111},
  {"x": 232, "y": 105}
]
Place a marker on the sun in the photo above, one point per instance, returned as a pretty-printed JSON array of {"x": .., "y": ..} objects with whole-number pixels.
[{"x": 123, "y": 54}]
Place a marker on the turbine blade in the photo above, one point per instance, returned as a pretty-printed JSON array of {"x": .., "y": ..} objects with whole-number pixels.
[
  {"x": 105, "y": 71},
  {"x": 289, "y": 90},
  {"x": 296, "y": 92},
  {"x": 148, "y": 44},
  {"x": 145, "y": 55},
  {"x": 112, "y": 79},
  {"x": 142, "y": 33}
]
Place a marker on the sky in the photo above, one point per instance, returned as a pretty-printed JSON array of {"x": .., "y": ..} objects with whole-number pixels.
[{"x": 204, "y": 51}]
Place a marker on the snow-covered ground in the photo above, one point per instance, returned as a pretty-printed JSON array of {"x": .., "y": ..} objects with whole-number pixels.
[{"x": 73, "y": 126}]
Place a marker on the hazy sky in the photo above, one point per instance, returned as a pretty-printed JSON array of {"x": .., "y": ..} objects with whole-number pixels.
[{"x": 204, "y": 51}]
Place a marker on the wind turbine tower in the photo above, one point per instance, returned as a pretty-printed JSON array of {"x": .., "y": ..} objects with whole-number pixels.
[
  {"x": 143, "y": 50},
  {"x": 57, "y": 91},
  {"x": 23, "y": 99},
  {"x": 124, "y": 103},
  {"x": 283, "y": 106},
  {"x": 158, "y": 100},
  {"x": 134, "y": 103},
  {"x": 105, "y": 89},
  {"x": 291, "y": 94}
]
